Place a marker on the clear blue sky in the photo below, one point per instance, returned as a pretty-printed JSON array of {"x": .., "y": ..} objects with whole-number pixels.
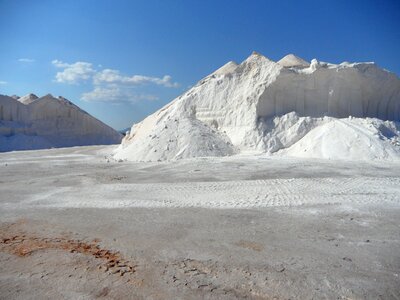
[{"x": 121, "y": 60}]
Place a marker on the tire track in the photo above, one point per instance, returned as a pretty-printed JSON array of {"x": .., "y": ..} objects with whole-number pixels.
[{"x": 228, "y": 194}]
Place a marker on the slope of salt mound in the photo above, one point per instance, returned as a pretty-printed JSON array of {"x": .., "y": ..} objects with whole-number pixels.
[
  {"x": 226, "y": 69},
  {"x": 292, "y": 60},
  {"x": 175, "y": 139},
  {"x": 353, "y": 139}
]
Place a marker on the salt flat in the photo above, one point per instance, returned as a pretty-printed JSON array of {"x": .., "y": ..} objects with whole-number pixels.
[{"x": 207, "y": 228}]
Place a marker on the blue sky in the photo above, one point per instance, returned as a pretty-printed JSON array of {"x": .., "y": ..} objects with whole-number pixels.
[{"x": 122, "y": 60}]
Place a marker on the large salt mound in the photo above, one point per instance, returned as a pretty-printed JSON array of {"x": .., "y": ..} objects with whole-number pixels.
[
  {"x": 30, "y": 122},
  {"x": 249, "y": 107}
]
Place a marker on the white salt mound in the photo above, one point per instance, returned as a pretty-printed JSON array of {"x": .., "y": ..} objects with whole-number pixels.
[
  {"x": 30, "y": 122},
  {"x": 351, "y": 138},
  {"x": 292, "y": 60},
  {"x": 289, "y": 108}
]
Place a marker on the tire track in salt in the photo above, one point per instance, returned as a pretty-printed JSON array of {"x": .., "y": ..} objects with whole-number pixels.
[{"x": 228, "y": 194}]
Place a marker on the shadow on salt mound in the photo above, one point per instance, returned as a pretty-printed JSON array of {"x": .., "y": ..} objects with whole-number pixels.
[
  {"x": 23, "y": 142},
  {"x": 350, "y": 139}
]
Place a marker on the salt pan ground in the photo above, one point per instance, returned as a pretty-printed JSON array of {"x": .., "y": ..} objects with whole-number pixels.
[{"x": 77, "y": 224}]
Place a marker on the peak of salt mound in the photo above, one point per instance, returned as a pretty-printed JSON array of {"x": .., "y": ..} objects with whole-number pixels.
[
  {"x": 256, "y": 53},
  {"x": 15, "y": 97},
  {"x": 292, "y": 60},
  {"x": 27, "y": 99},
  {"x": 48, "y": 96},
  {"x": 256, "y": 56}
]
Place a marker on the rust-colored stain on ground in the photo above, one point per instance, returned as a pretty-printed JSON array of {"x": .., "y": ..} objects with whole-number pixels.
[
  {"x": 23, "y": 244},
  {"x": 250, "y": 245}
]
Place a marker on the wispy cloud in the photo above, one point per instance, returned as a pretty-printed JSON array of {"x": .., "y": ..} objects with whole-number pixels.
[
  {"x": 73, "y": 73},
  {"x": 109, "y": 84},
  {"x": 114, "y": 76},
  {"x": 115, "y": 94},
  {"x": 26, "y": 60},
  {"x": 3, "y": 82}
]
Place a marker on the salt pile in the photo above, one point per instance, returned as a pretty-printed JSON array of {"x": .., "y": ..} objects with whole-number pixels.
[
  {"x": 30, "y": 122},
  {"x": 290, "y": 107}
]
